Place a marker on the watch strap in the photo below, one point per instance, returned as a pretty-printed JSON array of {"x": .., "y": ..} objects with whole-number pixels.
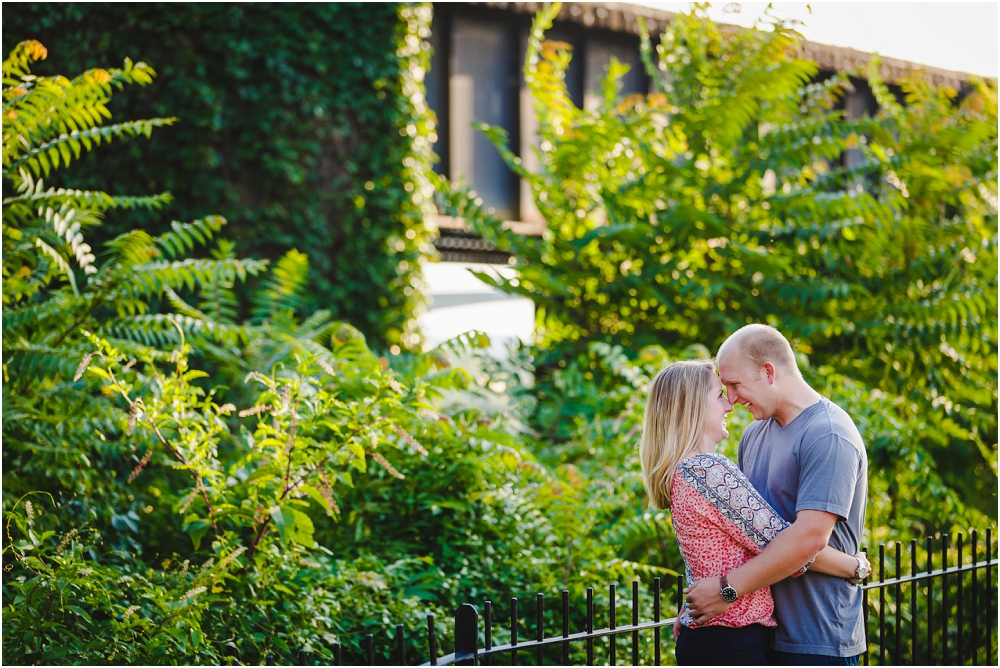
[{"x": 724, "y": 582}]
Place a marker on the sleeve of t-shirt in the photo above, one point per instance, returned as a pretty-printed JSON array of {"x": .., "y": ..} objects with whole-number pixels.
[{"x": 828, "y": 474}]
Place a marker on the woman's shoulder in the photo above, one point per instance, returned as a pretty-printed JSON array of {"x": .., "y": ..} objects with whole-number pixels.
[
  {"x": 704, "y": 461},
  {"x": 711, "y": 468}
]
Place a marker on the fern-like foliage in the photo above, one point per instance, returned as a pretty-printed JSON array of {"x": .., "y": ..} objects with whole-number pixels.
[
  {"x": 137, "y": 292},
  {"x": 281, "y": 296}
]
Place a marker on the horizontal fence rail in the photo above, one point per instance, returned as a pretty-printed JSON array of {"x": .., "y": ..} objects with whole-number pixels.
[{"x": 932, "y": 616}]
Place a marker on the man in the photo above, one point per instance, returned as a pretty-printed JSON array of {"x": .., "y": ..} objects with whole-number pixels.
[{"x": 806, "y": 457}]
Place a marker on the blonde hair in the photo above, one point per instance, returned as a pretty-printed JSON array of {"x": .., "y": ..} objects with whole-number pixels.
[
  {"x": 675, "y": 413},
  {"x": 759, "y": 343}
]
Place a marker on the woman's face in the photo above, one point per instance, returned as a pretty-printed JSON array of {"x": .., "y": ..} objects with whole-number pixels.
[{"x": 714, "y": 429}]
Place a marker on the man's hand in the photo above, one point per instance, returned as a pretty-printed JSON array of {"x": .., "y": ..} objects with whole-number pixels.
[
  {"x": 864, "y": 565},
  {"x": 705, "y": 601}
]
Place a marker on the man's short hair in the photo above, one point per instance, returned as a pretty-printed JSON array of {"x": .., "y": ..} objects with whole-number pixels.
[{"x": 759, "y": 343}]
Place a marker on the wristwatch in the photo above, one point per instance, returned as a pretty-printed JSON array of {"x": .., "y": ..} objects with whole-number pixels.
[
  {"x": 864, "y": 570},
  {"x": 729, "y": 593}
]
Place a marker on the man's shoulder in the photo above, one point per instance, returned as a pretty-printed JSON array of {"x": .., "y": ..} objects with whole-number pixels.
[
  {"x": 829, "y": 429},
  {"x": 835, "y": 421}
]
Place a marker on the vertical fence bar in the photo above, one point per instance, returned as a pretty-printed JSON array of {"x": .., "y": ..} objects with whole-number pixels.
[
  {"x": 913, "y": 603},
  {"x": 881, "y": 605},
  {"x": 565, "y": 626},
  {"x": 370, "y": 648},
  {"x": 680, "y": 602},
  {"x": 338, "y": 659},
  {"x": 975, "y": 600},
  {"x": 612, "y": 589},
  {"x": 635, "y": 622},
  {"x": 656, "y": 618},
  {"x": 539, "y": 630},
  {"x": 513, "y": 631},
  {"x": 944, "y": 599},
  {"x": 864, "y": 608},
  {"x": 467, "y": 635},
  {"x": 959, "y": 617},
  {"x": 488, "y": 622},
  {"x": 590, "y": 626},
  {"x": 432, "y": 644},
  {"x": 989, "y": 599},
  {"x": 899, "y": 606},
  {"x": 400, "y": 645},
  {"x": 930, "y": 602},
  {"x": 680, "y": 594},
  {"x": 303, "y": 657}
]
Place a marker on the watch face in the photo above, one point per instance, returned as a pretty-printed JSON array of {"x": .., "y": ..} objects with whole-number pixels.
[{"x": 729, "y": 594}]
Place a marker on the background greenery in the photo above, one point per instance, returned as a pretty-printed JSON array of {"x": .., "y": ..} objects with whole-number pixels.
[
  {"x": 203, "y": 464},
  {"x": 304, "y": 125},
  {"x": 722, "y": 199}
]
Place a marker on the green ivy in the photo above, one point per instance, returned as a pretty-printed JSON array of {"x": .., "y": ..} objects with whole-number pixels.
[{"x": 304, "y": 125}]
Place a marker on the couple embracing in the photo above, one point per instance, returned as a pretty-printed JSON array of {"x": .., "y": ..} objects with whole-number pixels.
[{"x": 771, "y": 547}]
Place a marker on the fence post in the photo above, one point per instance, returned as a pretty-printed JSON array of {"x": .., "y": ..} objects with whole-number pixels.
[{"x": 467, "y": 635}]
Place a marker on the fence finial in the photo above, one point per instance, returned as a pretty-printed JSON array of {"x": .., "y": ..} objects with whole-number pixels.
[{"x": 467, "y": 635}]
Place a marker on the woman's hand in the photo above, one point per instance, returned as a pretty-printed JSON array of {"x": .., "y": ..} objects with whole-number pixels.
[
  {"x": 705, "y": 602},
  {"x": 677, "y": 628}
]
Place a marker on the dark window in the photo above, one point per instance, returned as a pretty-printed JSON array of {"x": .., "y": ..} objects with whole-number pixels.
[
  {"x": 598, "y": 54},
  {"x": 437, "y": 87},
  {"x": 482, "y": 87}
]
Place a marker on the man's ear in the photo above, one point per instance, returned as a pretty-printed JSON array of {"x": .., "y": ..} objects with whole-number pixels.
[{"x": 769, "y": 372}]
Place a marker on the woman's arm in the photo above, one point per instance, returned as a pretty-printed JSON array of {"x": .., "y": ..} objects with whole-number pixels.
[{"x": 834, "y": 562}]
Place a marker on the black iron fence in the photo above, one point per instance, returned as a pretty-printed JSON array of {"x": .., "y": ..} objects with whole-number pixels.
[{"x": 944, "y": 614}]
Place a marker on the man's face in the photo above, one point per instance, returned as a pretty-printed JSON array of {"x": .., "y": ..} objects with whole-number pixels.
[{"x": 746, "y": 386}]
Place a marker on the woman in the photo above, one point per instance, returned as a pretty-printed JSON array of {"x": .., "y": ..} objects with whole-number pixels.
[{"x": 720, "y": 520}]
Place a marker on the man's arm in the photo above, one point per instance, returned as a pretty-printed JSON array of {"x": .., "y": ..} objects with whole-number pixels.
[{"x": 791, "y": 548}]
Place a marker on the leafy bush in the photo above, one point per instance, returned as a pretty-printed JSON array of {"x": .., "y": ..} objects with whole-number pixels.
[
  {"x": 107, "y": 429},
  {"x": 155, "y": 514}
]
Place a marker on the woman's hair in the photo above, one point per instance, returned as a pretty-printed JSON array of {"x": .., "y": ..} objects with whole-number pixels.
[{"x": 675, "y": 413}]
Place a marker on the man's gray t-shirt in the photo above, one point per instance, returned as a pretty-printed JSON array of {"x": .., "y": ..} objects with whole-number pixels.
[{"x": 816, "y": 462}]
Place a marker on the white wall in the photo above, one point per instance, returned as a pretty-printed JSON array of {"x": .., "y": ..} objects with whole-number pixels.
[{"x": 459, "y": 302}]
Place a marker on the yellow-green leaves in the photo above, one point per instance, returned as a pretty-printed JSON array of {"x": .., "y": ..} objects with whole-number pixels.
[
  {"x": 294, "y": 526},
  {"x": 51, "y": 121}
]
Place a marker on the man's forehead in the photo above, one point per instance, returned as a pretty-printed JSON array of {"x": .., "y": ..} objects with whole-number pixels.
[{"x": 732, "y": 369}]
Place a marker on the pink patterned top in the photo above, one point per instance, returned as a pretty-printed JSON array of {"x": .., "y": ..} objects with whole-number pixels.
[{"x": 721, "y": 522}]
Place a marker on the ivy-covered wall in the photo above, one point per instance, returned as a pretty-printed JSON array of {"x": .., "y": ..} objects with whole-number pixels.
[{"x": 305, "y": 125}]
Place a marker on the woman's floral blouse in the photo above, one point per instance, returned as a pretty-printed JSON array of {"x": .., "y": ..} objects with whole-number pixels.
[{"x": 721, "y": 522}]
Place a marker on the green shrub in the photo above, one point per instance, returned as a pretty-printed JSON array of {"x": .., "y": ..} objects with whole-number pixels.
[
  {"x": 302, "y": 493},
  {"x": 677, "y": 217}
]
